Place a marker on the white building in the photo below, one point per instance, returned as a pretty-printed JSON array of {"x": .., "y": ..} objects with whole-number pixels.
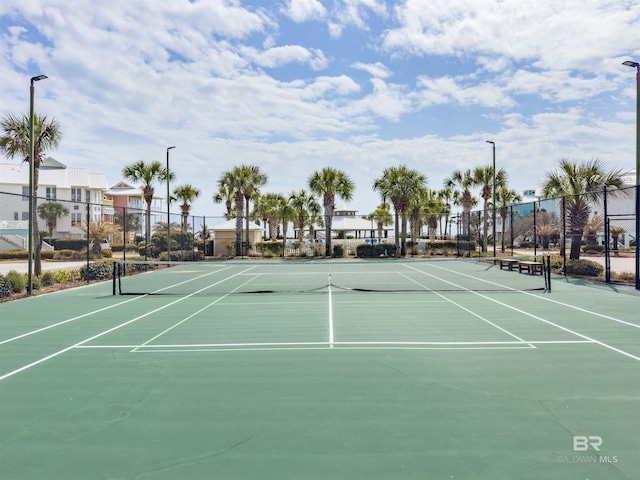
[{"x": 74, "y": 188}]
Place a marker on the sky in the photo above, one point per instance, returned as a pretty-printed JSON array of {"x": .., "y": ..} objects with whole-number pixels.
[{"x": 294, "y": 86}]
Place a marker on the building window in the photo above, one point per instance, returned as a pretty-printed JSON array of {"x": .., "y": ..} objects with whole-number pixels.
[
  {"x": 16, "y": 215},
  {"x": 25, "y": 215},
  {"x": 25, "y": 193},
  {"x": 76, "y": 219},
  {"x": 76, "y": 194},
  {"x": 51, "y": 193},
  {"x": 88, "y": 195}
]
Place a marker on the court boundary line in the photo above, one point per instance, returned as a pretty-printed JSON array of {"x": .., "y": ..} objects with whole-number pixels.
[
  {"x": 477, "y": 315},
  {"x": 194, "y": 313},
  {"x": 355, "y": 345},
  {"x": 591, "y": 312},
  {"x": 549, "y": 322},
  {"x": 64, "y": 350},
  {"x": 267, "y": 344},
  {"x": 88, "y": 313}
]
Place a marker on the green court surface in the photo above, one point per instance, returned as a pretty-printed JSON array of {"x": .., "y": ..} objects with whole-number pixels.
[{"x": 326, "y": 383}]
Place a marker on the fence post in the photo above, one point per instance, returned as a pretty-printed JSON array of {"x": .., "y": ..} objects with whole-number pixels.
[
  {"x": 564, "y": 238},
  {"x": 535, "y": 231},
  {"x": 88, "y": 238},
  {"x": 607, "y": 251}
]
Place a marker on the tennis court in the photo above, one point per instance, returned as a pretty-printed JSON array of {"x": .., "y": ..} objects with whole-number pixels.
[{"x": 322, "y": 369}]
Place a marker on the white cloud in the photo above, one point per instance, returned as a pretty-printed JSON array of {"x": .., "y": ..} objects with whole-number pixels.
[
  {"x": 444, "y": 90},
  {"x": 377, "y": 69},
  {"x": 573, "y": 34},
  {"x": 278, "y": 56},
  {"x": 304, "y": 10}
]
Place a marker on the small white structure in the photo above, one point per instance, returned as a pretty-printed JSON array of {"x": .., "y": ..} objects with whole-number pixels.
[{"x": 224, "y": 236}]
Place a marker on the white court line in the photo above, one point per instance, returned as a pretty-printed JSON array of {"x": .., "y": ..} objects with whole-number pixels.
[
  {"x": 49, "y": 357},
  {"x": 545, "y": 298},
  {"x": 90, "y": 313},
  {"x": 326, "y": 344},
  {"x": 460, "y": 306},
  {"x": 67, "y": 321},
  {"x": 602, "y": 344},
  {"x": 194, "y": 314},
  {"x": 543, "y": 320},
  {"x": 330, "y": 315}
]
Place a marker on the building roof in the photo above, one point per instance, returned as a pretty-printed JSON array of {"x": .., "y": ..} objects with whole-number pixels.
[
  {"x": 230, "y": 225},
  {"x": 67, "y": 177}
]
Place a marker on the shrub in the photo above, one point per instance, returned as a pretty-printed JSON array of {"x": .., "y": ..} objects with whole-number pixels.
[
  {"x": 584, "y": 267},
  {"x": 23, "y": 254},
  {"x": 106, "y": 253},
  {"x": 70, "y": 244},
  {"x": 96, "y": 271},
  {"x": 47, "y": 279},
  {"x": 274, "y": 248},
  {"x": 593, "y": 249},
  {"x": 377, "y": 250},
  {"x": 66, "y": 276},
  {"x": 17, "y": 281},
  {"x": 5, "y": 287},
  {"x": 338, "y": 251}
]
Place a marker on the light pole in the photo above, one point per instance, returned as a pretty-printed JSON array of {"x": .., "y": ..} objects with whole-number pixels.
[
  {"x": 493, "y": 196},
  {"x": 636, "y": 65},
  {"x": 32, "y": 198},
  {"x": 168, "y": 211}
]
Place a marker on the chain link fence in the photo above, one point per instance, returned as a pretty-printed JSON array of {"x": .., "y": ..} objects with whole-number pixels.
[{"x": 599, "y": 227}]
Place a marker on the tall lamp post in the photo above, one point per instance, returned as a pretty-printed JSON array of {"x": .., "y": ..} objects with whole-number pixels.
[
  {"x": 493, "y": 196},
  {"x": 168, "y": 211},
  {"x": 32, "y": 194},
  {"x": 636, "y": 65}
]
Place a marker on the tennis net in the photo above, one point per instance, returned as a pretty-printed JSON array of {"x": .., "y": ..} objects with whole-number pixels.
[{"x": 299, "y": 276}]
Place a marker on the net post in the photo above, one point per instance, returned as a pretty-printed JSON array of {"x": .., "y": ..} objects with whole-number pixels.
[
  {"x": 113, "y": 277},
  {"x": 547, "y": 271}
]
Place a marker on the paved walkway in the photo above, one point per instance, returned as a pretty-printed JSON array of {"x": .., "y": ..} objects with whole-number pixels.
[{"x": 22, "y": 266}]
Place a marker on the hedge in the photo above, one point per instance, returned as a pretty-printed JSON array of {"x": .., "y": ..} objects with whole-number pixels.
[
  {"x": 378, "y": 250},
  {"x": 97, "y": 271},
  {"x": 24, "y": 255},
  {"x": 76, "y": 244},
  {"x": 273, "y": 248},
  {"x": 584, "y": 267}
]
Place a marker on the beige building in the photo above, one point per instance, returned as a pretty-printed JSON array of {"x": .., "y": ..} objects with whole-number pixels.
[{"x": 224, "y": 237}]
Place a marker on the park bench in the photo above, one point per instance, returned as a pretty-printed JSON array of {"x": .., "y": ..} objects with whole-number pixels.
[
  {"x": 530, "y": 267},
  {"x": 509, "y": 263}
]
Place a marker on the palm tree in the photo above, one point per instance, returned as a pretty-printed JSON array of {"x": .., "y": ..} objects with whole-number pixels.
[
  {"x": 615, "y": 234},
  {"x": 304, "y": 206},
  {"x": 244, "y": 181},
  {"x": 50, "y": 212},
  {"x": 483, "y": 178},
  {"x": 186, "y": 194},
  {"x": 580, "y": 184},
  {"x": 594, "y": 225},
  {"x": 462, "y": 182},
  {"x": 399, "y": 185},
  {"x": 447, "y": 197},
  {"x": 504, "y": 198},
  {"x": 328, "y": 183},
  {"x": 225, "y": 195},
  {"x": 147, "y": 174},
  {"x": 270, "y": 209},
  {"x": 98, "y": 231},
  {"x": 382, "y": 216},
  {"x": 15, "y": 142}
]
